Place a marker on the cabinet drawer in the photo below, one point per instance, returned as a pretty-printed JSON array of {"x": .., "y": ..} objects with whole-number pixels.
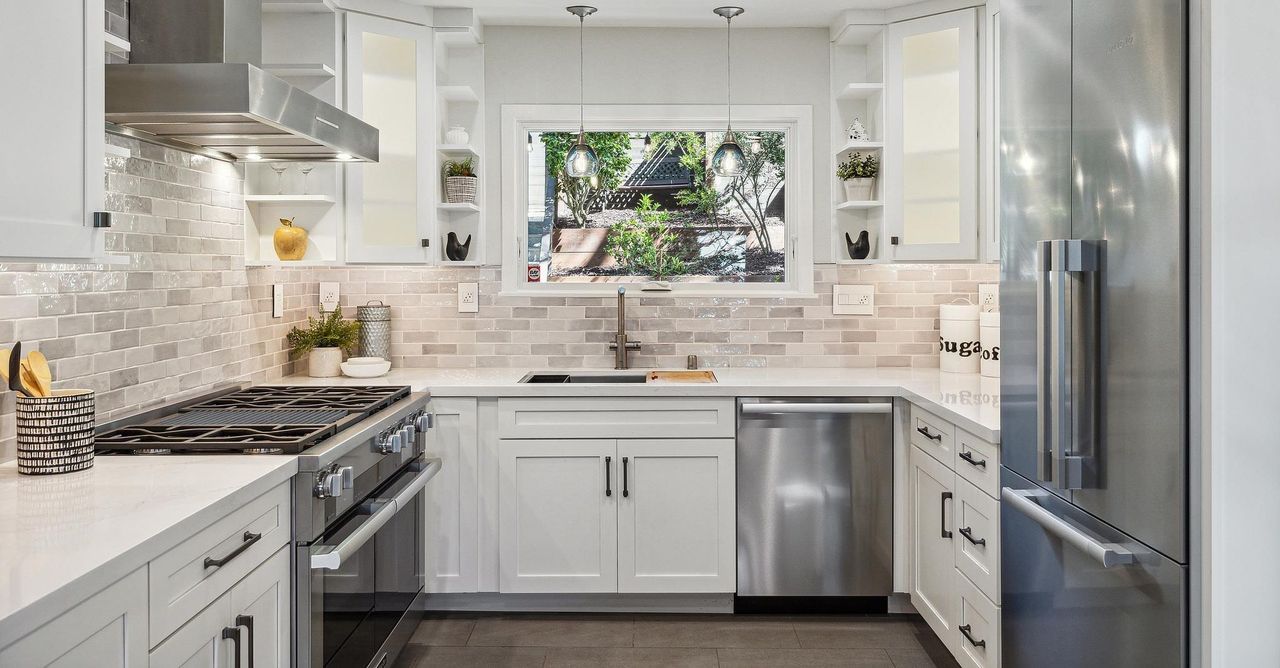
[
  {"x": 978, "y": 538},
  {"x": 977, "y": 640},
  {"x": 610, "y": 417},
  {"x": 933, "y": 435},
  {"x": 180, "y": 583},
  {"x": 978, "y": 462}
]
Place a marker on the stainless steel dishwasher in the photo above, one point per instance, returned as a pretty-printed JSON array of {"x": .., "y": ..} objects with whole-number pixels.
[{"x": 815, "y": 502}]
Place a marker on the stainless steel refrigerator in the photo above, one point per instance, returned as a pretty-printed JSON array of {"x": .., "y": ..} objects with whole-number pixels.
[{"x": 1093, "y": 292}]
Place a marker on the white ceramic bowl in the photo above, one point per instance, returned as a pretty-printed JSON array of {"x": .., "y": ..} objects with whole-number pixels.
[
  {"x": 366, "y": 370},
  {"x": 366, "y": 360}
]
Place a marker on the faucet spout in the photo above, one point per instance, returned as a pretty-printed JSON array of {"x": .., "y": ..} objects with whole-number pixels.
[{"x": 622, "y": 345}]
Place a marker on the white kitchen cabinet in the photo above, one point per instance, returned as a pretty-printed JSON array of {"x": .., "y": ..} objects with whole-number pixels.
[
  {"x": 931, "y": 197},
  {"x": 108, "y": 630},
  {"x": 51, "y": 182},
  {"x": 676, "y": 516},
  {"x": 452, "y": 513},
  {"x": 200, "y": 642},
  {"x": 558, "y": 516},
  {"x": 933, "y": 581},
  {"x": 261, "y": 603},
  {"x": 390, "y": 84}
]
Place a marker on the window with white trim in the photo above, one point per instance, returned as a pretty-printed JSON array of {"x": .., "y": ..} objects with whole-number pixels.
[{"x": 656, "y": 216}]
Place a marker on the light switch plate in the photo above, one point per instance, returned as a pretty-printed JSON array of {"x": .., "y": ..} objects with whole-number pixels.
[
  {"x": 468, "y": 298},
  {"x": 854, "y": 300},
  {"x": 328, "y": 296},
  {"x": 988, "y": 297},
  {"x": 277, "y": 300}
]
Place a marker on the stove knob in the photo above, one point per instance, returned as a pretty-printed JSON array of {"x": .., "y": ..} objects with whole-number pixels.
[
  {"x": 410, "y": 435},
  {"x": 424, "y": 421},
  {"x": 390, "y": 443},
  {"x": 348, "y": 475}
]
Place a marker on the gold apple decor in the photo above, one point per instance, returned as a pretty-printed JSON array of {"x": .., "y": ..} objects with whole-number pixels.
[{"x": 290, "y": 241}]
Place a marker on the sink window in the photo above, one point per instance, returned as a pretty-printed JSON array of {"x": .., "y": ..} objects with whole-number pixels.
[{"x": 656, "y": 216}]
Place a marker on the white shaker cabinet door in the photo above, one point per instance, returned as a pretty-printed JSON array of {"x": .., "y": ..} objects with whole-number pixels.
[
  {"x": 558, "y": 527},
  {"x": 108, "y": 630},
  {"x": 200, "y": 642},
  {"x": 51, "y": 178},
  {"x": 933, "y": 503},
  {"x": 260, "y": 604},
  {"x": 676, "y": 516},
  {"x": 452, "y": 515}
]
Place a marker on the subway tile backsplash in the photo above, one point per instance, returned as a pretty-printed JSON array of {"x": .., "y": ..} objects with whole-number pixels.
[{"x": 184, "y": 315}]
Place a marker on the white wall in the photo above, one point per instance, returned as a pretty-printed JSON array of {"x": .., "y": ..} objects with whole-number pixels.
[
  {"x": 538, "y": 65},
  {"x": 1244, "y": 312}
]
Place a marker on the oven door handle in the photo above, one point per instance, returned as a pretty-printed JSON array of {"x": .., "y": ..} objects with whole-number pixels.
[{"x": 334, "y": 558}]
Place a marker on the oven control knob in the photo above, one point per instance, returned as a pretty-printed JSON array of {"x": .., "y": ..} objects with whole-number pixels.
[
  {"x": 390, "y": 442},
  {"x": 329, "y": 484},
  {"x": 424, "y": 421},
  {"x": 409, "y": 435}
]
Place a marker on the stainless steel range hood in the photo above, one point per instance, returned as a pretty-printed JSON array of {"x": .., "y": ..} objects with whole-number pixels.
[{"x": 194, "y": 80}]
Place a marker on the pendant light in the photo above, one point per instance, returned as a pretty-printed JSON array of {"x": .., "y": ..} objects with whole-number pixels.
[
  {"x": 728, "y": 160},
  {"x": 581, "y": 162}
]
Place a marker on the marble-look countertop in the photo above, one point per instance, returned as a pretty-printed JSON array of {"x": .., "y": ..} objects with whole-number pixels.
[
  {"x": 65, "y": 537},
  {"x": 970, "y": 401}
]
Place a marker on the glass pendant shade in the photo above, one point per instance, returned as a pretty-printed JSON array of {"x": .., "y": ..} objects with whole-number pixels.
[
  {"x": 729, "y": 159},
  {"x": 581, "y": 162}
]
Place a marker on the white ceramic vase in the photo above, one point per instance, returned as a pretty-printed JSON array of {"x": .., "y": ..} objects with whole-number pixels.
[
  {"x": 860, "y": 190},
  {"x": 457, "y": 135},
  {"x": 324, "y": 362}
]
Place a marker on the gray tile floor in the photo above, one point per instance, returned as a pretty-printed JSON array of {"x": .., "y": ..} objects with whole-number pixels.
[{"x": 681, "y": 641}]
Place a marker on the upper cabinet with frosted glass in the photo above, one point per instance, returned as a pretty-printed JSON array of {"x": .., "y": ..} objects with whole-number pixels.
[{"x": 931, "y": 195}]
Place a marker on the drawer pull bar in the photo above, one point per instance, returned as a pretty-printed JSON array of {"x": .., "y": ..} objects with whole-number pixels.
[
  {"x": 968, "y": 457},
  {"x": 929, "y": 435},
  {"x": 967, "y": 631},
  {"x": 608, "y": 465},
  {"x": 968, "y": 534},
  {"x": 625, "y": 491},
  {"x": 249, "y": 539},
  {"x": 816, "y": 408},
  {"x": 247, "y": 622},
  {"x": 1107, "y": 554},
  {"x": 942, "y": 514},
  {"x": 232, "y": 633}
]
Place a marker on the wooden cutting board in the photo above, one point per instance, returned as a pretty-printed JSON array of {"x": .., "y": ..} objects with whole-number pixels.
[{"x": 705, "y": 376}]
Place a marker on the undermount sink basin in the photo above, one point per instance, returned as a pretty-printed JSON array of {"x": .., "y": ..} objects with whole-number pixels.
[{"x": 584, "y": 378}]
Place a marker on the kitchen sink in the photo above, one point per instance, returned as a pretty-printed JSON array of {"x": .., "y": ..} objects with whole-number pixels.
[{"x": 537, "y": 377}]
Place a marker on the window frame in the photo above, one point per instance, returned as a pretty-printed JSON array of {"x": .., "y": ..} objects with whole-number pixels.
[{"x": 520, "y": 119}]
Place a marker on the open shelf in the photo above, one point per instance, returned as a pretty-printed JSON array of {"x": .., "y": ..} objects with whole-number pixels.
[
  {"x": 859, "y": 204},
  {"x": 860, "y": 146},
  {"x": 312, "y": 200},
  {"x": 457, "y": 93},
  {"x": 866, "y": 261},
  {"x": 116, "y": 44},
  {"x": 458, "y": 149},
  {"x": 859, "y": 91},
  {"x": 460, "y": 208},
  {"x": 292, "y": 263},
  {"x": 300, "y": 70},
  {"x": 459, "y": 36},
  {"x": 298, "y": 6}
]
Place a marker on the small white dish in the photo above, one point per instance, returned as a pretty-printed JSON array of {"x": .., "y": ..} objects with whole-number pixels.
[
  {"x": 366, "y": 360},
  {"x": 366, "y": 370}
]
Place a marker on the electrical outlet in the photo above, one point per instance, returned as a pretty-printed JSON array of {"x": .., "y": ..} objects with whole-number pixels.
[
  {"x": 989, "y": 297},
  {"x": 854, "y": 300},
  {"x": 328, "y": 296},
  {"x": 277, "y": 300},
  {"x": 468, "y": 298}
]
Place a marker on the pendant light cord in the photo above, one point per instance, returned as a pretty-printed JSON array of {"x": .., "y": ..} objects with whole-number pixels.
[
  {"x": 582, "y": 86},
  {"x": 728, "y": 68}
]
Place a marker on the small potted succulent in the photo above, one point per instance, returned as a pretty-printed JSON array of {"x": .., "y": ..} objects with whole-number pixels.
[
  {"x": 460, "y": 181},
  {"x": 859, "y": 174},
  {"x": 323, "y": 341}
]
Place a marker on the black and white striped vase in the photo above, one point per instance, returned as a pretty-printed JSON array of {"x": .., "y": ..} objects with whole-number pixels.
[{"x": 55, "y": 434}]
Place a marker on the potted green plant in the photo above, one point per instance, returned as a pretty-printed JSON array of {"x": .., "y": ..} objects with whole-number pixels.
[
  {"x": 323, "y": 341},
  {"x": 859, "y": 174},
  {"x": 460, "y": 181}
]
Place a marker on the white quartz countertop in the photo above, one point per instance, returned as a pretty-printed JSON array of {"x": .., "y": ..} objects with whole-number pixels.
[
  {"x": 65, "y": 537},
  {"x": 970, "y": 401}
]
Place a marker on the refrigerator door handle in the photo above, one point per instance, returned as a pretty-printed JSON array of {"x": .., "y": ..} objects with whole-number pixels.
[
  {"x": 1046, "y": 361},
  {"x": 1107, "y": 554}
]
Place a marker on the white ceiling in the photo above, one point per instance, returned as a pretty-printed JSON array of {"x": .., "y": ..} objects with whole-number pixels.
[{"x": 683, "y": 13}]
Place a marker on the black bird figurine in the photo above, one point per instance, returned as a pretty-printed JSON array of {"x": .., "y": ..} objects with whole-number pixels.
[
  {"x": 456, "y": 251},
  {"x": 860, "y": 249}
]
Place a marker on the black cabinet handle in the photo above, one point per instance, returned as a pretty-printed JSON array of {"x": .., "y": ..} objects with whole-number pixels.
[
  {"x": 968, "y": 457},
  {"x": 929, "y": 435},
  {"x": 625, "y": 491},
  {"x": 608, "y": 466},
  {"x": 247, "y": 622},
  {"x": 942, "y": 514},
  {"x": 249, "y": 539},
  {"x": 966, "y": 631},
  {"x": 232, "y": 633},
  {"x": 964, "y": 531}
]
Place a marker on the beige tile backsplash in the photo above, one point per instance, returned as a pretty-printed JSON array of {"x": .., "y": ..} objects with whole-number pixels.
[{"x": 185, "y": 315}]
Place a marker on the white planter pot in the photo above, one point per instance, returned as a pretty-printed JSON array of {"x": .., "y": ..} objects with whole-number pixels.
[
  {"x": 860, "y": 190},
  {"x": 324, "y": 362},
  {"x": 457, "y": 135},
  {"x": 460, "y": 189}
]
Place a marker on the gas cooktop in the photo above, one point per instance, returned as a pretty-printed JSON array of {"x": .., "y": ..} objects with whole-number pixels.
[{"x": 256, "y": 420}]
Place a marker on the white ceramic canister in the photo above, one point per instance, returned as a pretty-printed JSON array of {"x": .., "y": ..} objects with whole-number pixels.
[
  {"x": 958, "y": 345},
  {"x": 989, "y": 335},
  {"x": 457, "y": 135}
]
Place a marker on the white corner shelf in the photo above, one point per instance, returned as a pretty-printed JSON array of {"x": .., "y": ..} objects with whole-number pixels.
[
  {"x": 859, "y": 91},
  {"x": 298, "y": 6},
  {"x": 292, "y": 263},
  {"x": 457, "y": 93},
  {"x": 860, "y": 146},
  {"x": 300, "y": 70},
  {"x": 458, "y": 149},
  {"x": 855, "y": 205},
  {"x": 116, "y": 44},
  {"x": 866, "y": 261},
  {"x": 308, "y": 200},
  {"x": 858, "y": 34},
  {"x": 459, "y": 36},
  {"x": 459, "y": 208},
  {"x": 446, "y": 262}
]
